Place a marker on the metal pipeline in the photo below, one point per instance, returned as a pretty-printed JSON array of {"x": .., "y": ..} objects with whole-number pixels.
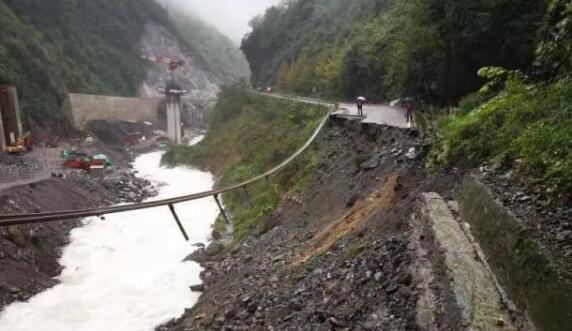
[{"x": 35, "y": 218}]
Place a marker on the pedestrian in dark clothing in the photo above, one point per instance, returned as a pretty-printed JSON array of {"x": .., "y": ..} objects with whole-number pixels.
[
  {"x": 360, "y": 102},
  {"x": 409, "y": 112}
]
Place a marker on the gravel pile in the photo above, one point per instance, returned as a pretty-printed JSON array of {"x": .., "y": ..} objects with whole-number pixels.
[
  {"x": 14, "y": 167},
  {"x": 120, "y": 186},
  {"x": 365, "y": 287},
  {"x": 127, "y": 187}
]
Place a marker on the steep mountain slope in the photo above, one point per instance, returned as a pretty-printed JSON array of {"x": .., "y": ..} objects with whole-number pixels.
[
  {"x": 434, "y": 50},
  {"x": 211, "y": 61},
  {"x": 429, "y": 48},
  {"x": 50, "y": 47}
]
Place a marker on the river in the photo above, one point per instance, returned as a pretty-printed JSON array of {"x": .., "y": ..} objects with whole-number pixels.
[{"x": 126, "y": 273}]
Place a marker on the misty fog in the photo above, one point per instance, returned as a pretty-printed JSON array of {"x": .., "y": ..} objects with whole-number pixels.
[{"x": 231, "y": 17}]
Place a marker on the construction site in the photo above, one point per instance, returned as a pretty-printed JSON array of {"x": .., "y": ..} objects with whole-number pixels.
[
  {"x": 296, "y": 165},
  {"x": 91, "y": 167}
]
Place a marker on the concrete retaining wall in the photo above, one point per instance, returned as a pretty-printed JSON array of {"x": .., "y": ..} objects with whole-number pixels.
[
  {"x": 473, "y": 285},
  {"x": 83, "y": 108},
  {"x": 524, "y": 269}
]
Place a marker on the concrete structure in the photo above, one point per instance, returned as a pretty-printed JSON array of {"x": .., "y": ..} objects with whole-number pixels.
[
  {"x": 483, "y": 304},
  {"x": 10, "y": 122},
  {"x": 82, "y": 108},
  {"x": 174, "y": 130},
  {"x": 533, "y": 278}
]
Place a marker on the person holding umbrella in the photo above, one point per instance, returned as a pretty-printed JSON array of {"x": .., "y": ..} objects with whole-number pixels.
[{"x": 360, "y": 102}]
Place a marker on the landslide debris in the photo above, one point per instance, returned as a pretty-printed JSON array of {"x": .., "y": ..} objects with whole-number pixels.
[{"x": 353, "y": 275}]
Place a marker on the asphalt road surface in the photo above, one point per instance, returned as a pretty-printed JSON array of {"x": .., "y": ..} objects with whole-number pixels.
[{"x": 378, "y": 114}]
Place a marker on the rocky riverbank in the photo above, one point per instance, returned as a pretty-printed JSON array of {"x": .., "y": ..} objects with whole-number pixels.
[
  {"x": 29, "y": 254},
  {"x": 30, "y": 184}
]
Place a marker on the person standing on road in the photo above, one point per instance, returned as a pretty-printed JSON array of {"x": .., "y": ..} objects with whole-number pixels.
[
  {"x": 360, "y": 102},
  {"x": 409, "y": 108}
]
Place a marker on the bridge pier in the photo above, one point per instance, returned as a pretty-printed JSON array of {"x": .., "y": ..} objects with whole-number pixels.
[{"x": 174, "y": 129}]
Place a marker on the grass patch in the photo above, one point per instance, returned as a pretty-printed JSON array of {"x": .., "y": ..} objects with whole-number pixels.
[
  {"x": 248, "y": 135},
  {"x": 219, "y": 228}
]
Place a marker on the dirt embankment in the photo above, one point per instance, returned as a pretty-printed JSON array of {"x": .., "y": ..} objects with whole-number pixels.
[
  {"x": 29, "y": 254},
  {"x": 340, "y": 256}
]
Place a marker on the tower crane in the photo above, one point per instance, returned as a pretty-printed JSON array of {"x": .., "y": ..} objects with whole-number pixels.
[{"x": 172, "y": 62}]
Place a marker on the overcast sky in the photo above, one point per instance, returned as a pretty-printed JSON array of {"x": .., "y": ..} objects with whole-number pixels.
[{"x": 231, "y": 17}]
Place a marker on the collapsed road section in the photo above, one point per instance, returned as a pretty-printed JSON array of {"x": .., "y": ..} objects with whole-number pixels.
[{"x": 375, "y": 243}]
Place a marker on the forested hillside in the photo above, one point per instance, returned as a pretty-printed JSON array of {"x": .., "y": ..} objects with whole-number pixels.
[
  {"x": 249, "y": 134},
  {"x": 387, "y": 48},
  {"x": 504, "y": 66},
  {"x": 48, "y": 47}
]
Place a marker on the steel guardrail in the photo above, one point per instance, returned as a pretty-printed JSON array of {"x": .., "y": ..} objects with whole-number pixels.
[{"x": 35, "y": 218}]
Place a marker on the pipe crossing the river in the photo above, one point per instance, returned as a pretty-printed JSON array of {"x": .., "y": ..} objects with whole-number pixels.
[{"x": 36, "y": 218}]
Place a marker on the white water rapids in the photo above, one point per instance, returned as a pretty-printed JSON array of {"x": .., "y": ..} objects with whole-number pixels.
[{"x": 126, "y": 273}]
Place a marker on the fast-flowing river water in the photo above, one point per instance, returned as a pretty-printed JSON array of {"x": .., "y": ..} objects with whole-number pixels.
[{"x": 126, "y": 273}]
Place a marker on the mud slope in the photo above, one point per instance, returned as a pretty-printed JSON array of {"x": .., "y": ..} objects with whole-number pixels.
[{"x": 341, "y": 256}]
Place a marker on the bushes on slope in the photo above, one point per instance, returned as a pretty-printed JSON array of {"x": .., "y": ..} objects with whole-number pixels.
[
  {"x": 390, "y": 48},
  {"x": 527, "y": 127},
  {"x": 248, "y": 135}
]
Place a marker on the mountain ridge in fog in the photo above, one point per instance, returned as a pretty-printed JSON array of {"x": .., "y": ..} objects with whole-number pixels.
[{"x": 231, "y": 17}]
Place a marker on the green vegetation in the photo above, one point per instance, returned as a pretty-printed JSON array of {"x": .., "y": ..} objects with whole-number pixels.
[
  {"x": 526, "y": 127},
  {"x": 520, "y": 122},
  {"x": 442, "y": 52},
  {"x": 50, "y": 47},
  {"x": 249, "y": 134},
  {"x": 219, "y": 228},
  {"x": 390, "y": 48},
  {"x": 554, "y": 51}
]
